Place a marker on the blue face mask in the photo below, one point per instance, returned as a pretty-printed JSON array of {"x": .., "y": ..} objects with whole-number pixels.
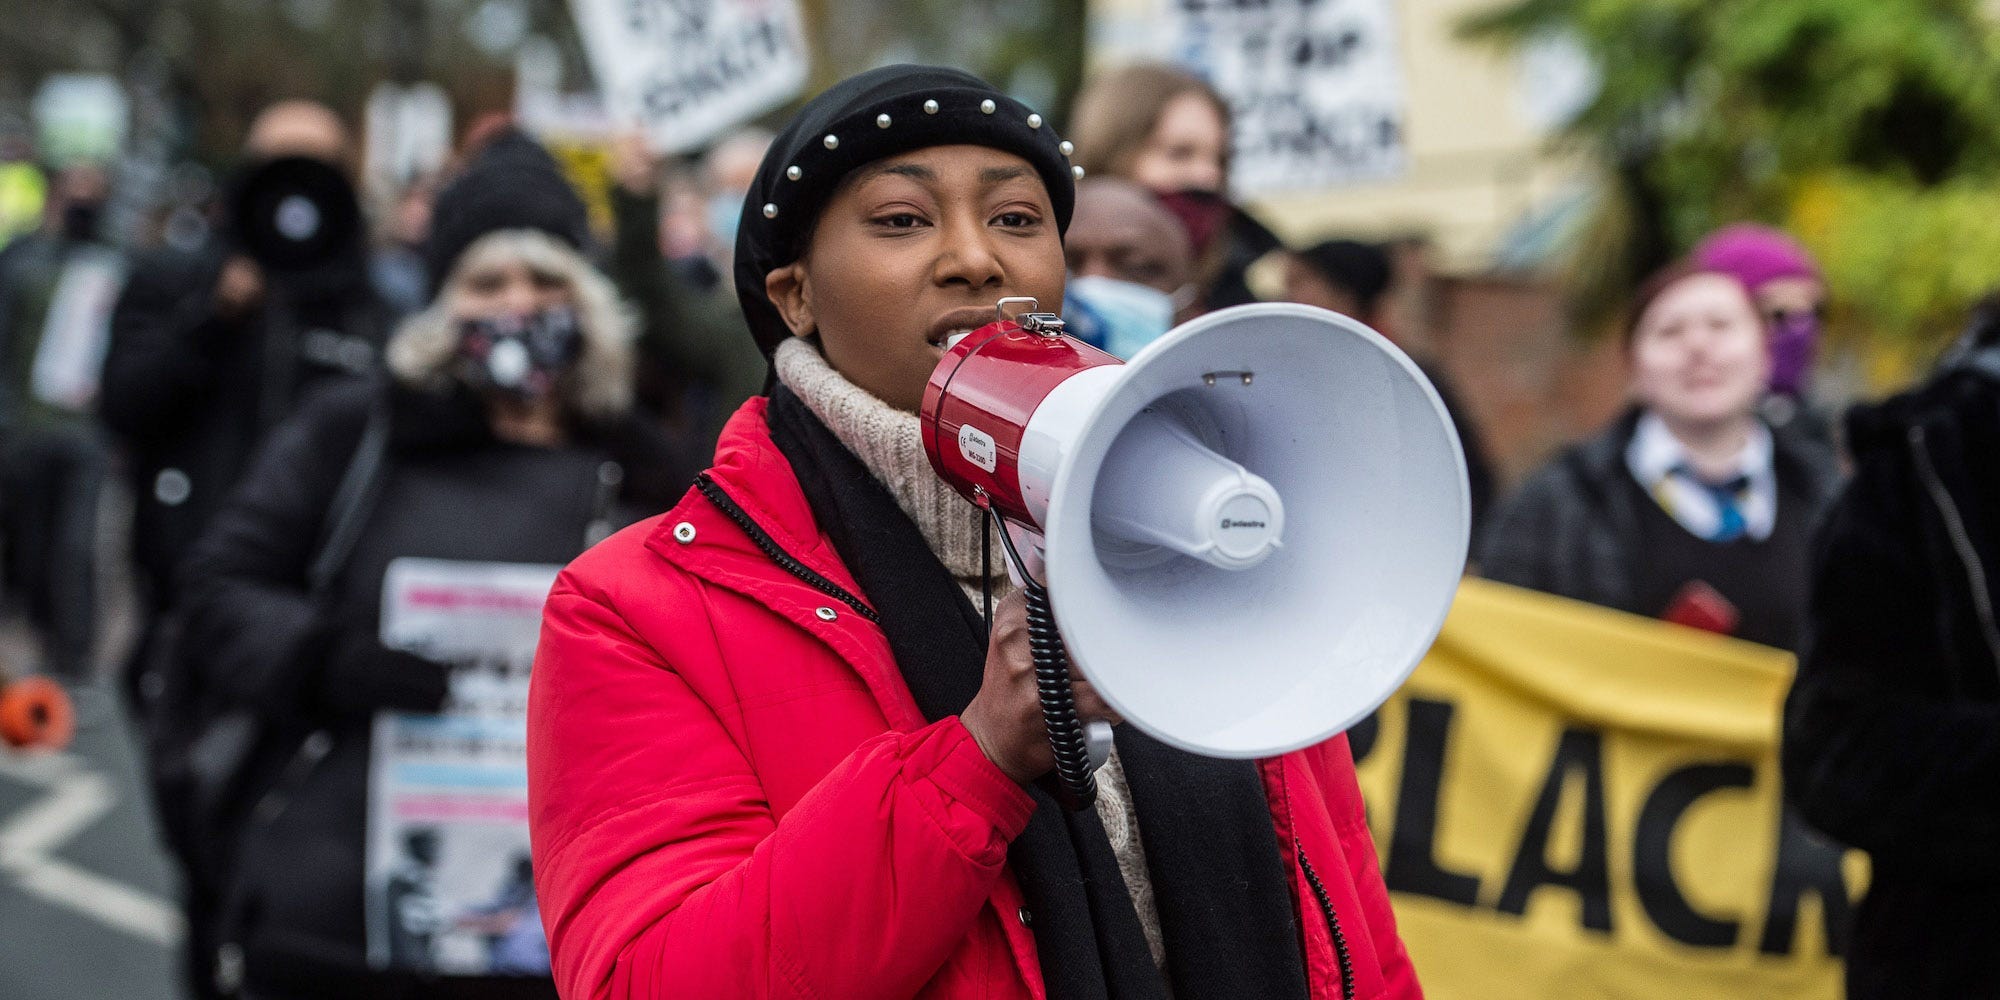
[
  {"x": 724, "y": 212},
  {"x": 1118, "y": 316}
]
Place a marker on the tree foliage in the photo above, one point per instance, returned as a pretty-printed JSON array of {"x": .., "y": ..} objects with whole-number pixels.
[{"x": 1871, "y": 127}]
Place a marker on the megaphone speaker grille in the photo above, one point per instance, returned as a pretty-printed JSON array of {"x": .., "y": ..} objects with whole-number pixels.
[{"x": 1251, "y": 662}]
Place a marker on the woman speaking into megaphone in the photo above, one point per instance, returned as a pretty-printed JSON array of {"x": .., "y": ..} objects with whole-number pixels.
[{"x": 773, "y": 748}]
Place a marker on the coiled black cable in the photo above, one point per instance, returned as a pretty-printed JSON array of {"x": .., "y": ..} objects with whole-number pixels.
[{"x": 1076, "y": 781}]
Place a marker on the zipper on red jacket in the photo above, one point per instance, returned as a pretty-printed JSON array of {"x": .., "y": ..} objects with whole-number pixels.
[
  {"x": 1332, "y": 922},
  {"x": 770, "y": 547}
]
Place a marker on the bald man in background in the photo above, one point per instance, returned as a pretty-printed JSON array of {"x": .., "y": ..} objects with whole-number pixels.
[
  {"x": 1131, "y": 267},
  {"x": 208, "y": 352}
]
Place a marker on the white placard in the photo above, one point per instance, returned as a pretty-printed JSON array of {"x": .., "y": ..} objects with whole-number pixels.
[
  {"x": 1315, "y": 86},
  {"x": 77, "y": 329},
  {"x": 689, "y": 70},
  {"x": 448, "y": 886}
]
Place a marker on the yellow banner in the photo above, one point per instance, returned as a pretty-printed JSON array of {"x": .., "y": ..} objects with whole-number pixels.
[{"x": 1574, "y": 802}]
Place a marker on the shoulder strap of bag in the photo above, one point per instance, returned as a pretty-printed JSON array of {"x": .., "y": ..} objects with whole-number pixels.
[{"x": 353, "y": 499}]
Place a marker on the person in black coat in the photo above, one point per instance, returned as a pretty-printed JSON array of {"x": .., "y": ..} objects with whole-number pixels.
[
  {"x": 208, "y": 352},
  {"x": 1892, "y": 727},
  {"x": 511, "y": 439}
]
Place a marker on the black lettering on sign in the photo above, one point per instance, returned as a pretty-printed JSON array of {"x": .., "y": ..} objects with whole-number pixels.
[
  {"x": 1806, "y": 863},
  {"x": 720, "y": 68},
  {"x": 667, "y": 19},
  {"x": 1652, "y": 847},
  {"x": 1580, "y": 751},
  {"x": 1413, "y": 865}
]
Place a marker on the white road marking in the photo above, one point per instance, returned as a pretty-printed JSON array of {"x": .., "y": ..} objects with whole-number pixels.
[{"x": 77, "y": 799}]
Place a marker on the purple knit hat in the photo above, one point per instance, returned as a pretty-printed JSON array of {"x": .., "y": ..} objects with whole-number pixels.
[{"x": 1756, "y": 255}]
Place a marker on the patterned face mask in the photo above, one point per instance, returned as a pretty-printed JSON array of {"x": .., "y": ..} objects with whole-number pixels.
[{"x": 522, "y": 354}]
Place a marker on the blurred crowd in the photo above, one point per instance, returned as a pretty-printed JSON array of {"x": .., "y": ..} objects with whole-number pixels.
[{"x": 293, "y": 391}]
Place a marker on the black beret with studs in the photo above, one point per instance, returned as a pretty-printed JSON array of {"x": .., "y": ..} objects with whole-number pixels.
[{"x": 883, "y": 112}]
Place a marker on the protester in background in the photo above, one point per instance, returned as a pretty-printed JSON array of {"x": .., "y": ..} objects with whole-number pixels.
[
  {"x": 1168, "y": 131},
  {"x": 698, "y": 363},
  {"x": 510, "y": 439},
  {"x": 1690, "y": 507},
  {"x": 57, "y": 285},
  {"x": 1354, "y": 279},
  {"x": 1130, "y": 267},
  {"x": 397, "y": 266},
  {"x": 208, "y": 352},
  {"x": 726, "y": 172},
  {"x": 749, "y": 780},
  {"x": 1786, "y": 283},
  {"x": 1892, "y": 728}
]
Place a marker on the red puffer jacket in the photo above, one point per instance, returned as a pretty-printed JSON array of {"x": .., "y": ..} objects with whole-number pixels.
[{"x": 733, "y": 794}]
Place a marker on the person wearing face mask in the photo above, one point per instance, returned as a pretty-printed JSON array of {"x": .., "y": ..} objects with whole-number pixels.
[
  {"x": 1353, "y": 279},
  {"x": 1690, "y": 507},
  {"x": 775, "y": 749},
  {"x": 503, "y": 434},
  {"x": 1130, "y": 265},
  {"x": 56, "y": 289},
  {"x": 1789, "y": 290},
  {"x": 1167, "y": 130}
]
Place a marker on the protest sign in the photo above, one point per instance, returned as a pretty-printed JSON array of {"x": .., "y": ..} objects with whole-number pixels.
[
  {"x": 1575, "y": 802},
  {"x": 77, "y": 330},
  {"x": 687, "y": 71},
  {"x": 1315, "y": 86},
  {"x": 449, "y": 883}
]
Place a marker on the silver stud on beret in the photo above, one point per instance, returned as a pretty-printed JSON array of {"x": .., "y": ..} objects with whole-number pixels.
[
  {"x": 793, "y": 173},
  {"x": 930, "y": 107},
  {"x": 1076, "y": 172},
  {"x": 1034, "y": 121},
  {"x": 832, "y": 142},
  {"x": 986, "y": 107},
  {"x": 770, "y": 210},
  {"x": 881, "y": 121},
  {"x": 1067, "y": 147}
]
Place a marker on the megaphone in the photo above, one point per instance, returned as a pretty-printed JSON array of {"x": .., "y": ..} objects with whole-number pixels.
[
  {"x": 1249, "y": 533},
  {"x": 300, "y": 219}
]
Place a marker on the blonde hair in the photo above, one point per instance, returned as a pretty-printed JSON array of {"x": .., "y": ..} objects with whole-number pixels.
[
  {"x": 424, "y": 350},
  {"x": 1117, "y": 113}
]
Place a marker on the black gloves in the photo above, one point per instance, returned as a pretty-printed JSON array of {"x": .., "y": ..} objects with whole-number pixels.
[{"x": 360, "y": 676}]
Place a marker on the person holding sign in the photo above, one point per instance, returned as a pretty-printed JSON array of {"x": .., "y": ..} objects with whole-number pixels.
[
  {"x": 774, "y": 749},
  {"x": 1690, "y": 507},
  {"x": 372, "y": 595}
]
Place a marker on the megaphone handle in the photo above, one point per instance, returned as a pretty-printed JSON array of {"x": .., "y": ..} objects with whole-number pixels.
[
  {"x": 1075, "y": 770},
  {"x": 1077, "y": 757}
]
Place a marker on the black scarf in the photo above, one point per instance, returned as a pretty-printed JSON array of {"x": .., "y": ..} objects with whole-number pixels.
[{"x": 1219, "y": 883}]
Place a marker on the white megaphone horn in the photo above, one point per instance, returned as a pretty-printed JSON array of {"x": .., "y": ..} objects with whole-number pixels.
[{"x": 1249, "y": 534}]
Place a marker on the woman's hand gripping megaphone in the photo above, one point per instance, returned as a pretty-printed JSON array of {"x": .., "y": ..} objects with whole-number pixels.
[{"x": 1006, "y": 716}]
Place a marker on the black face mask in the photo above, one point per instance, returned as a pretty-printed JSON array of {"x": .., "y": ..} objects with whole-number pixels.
[
  {"x": 80, "y": 220},
  {"x": 521, "y": 354}
]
